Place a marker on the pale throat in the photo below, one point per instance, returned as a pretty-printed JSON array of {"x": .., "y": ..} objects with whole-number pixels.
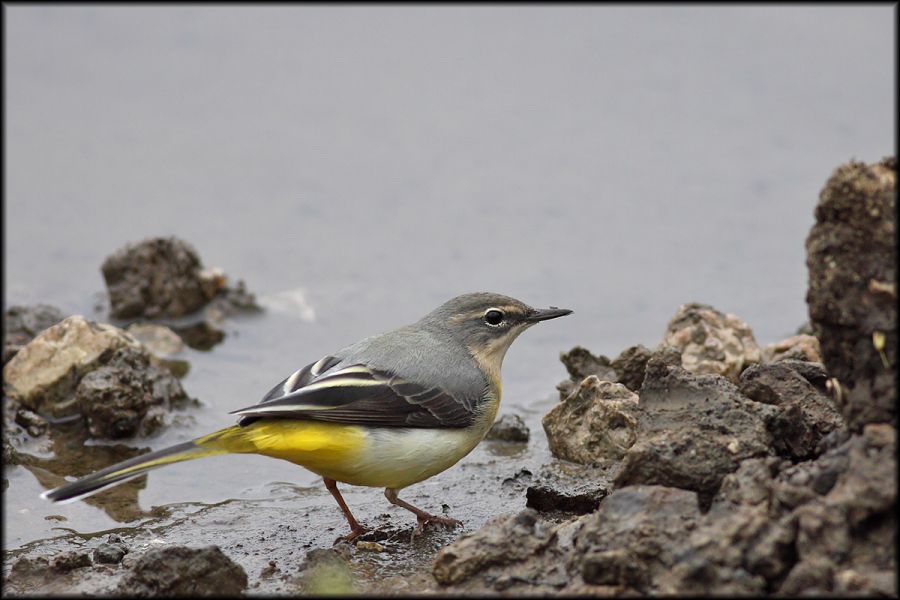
[{"x": 490, "y": 357}]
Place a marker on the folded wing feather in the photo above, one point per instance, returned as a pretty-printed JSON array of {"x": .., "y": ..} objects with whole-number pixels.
[{"x": 359, "y": 395}]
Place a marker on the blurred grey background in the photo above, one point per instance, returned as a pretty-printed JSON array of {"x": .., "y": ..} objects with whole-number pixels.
[{"x": 358, "y": 165}]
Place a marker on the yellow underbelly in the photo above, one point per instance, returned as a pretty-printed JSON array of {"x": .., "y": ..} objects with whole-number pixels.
[
  {"x": 329, "y": 449},
  {"x": 389, "y": 457}
]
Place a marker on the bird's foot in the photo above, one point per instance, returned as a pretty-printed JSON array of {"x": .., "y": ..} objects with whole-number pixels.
[
  {"x": 355, "y": 532},
  {"x": 425, "y": 519}
]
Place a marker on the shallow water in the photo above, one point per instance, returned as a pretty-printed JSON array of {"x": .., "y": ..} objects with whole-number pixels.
[{"x": 358, "y": 166}]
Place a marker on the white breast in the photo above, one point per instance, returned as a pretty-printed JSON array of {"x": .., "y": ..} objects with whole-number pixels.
[{"x": 396, "y": 458}]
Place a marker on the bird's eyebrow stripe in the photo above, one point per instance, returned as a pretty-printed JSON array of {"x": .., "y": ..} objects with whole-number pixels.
[{"x": 509, "y": 309}]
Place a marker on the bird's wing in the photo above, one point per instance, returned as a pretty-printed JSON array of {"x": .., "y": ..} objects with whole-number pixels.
[{"x": 359, "y": 395}]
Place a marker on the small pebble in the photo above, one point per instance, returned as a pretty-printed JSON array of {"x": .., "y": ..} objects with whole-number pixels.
[{"x": 369, "y": 546}]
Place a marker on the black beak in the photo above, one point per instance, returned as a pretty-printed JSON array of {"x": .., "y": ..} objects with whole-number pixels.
[{"x": 542, "y": 314}]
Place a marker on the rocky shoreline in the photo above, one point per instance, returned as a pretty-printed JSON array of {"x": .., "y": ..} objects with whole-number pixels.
[{"x": 704, "y": 465}]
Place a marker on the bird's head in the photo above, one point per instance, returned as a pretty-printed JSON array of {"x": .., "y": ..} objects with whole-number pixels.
[{"x": 487, "y": 324}]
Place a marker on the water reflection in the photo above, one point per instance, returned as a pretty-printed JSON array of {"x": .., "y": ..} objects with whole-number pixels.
[{"x": 72, "y": 457}]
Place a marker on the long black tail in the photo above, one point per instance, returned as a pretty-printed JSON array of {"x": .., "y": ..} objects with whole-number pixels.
[{"x": 221, "y": 442}]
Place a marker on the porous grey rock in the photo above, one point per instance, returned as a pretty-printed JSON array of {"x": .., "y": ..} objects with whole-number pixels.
[
  {"x": 711, "y": 342},
  {"x": 805, "y": 414},
  {"x": 739, "y": 546},
  {"x": 851, "y": 257},
  {"x": 692, "y": 431},
  {"x": 501, "y": 541},
  {"x": 22, "y": 323},
  {"x": 112, "y": 551},
  {"x": 633, "y": 536},
  {"x": 183, "y": 571},
  {"x": 595, "y": 422},
  {"x": 127, "y": 395},
  {"x": 509, "y": 428},
  {"x": 45, "y": 372},
  {"x": 158, "y": 277},
  {"x": 814, "y": 527},
  {"x": 853, "y": 524},
  {"x": 567, "y": 487},
  {"x": 164, "y": 277}
]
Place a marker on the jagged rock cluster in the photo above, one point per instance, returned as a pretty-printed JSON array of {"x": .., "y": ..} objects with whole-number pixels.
[
  {"x": 721, "y": 467},
  {"x": 95, "y": 372},
  {"x": 164, "y": 277},
  {"x": 118, "y": 382},
  {"x": 167, "y": 571}
]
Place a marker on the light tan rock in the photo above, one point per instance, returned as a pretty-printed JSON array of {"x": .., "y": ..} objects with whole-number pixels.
[
  {"x": 158, "y": 339},
  {"x": 800, "y": 347},
  {"x": 712, "y": 342},
  {"x": 594, "y": 423},
  {"x": 44, "y": 373}
]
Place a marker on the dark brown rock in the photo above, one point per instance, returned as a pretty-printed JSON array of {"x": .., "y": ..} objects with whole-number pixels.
[
  {"x": 805, "y": 414},
  {"x": 853, "y": 524},
  {"x": 33, "y": 423},
  {"x": 202, "y": 335},
  {"x": 736, "y": 548},
  {"x": 10, "y": 455},
  {"x": 501, "y": 541},
  {"x": 127, "y": 395},
  {"x": 630, "y": 365},
  {"x": 775, "y": 526},
  {"x": 158, "y": 277},
  {"x": 112, "y": 551},
  {"x": 509, "y": 428},
  {"x": 633, "y": 536},
  {"x": 72, "y": 559},
  {"x": 26, "y": 566},
  {"x": 580, "y": 363},
  {"x": 692, "y": 431},
  {"x": 851, "y": 257},
  {"x": 568, "y": 488},
  {"x": 822, "y": 526},
  {"x": 183, "y": 571},
  {"x": 230, "y": 300}
]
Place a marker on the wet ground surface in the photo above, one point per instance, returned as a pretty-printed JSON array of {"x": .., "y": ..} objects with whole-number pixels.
[{"x": 268, "y": 529}]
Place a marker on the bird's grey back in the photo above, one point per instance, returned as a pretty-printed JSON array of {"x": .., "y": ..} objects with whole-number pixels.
[{"x": 420, "y": 354}]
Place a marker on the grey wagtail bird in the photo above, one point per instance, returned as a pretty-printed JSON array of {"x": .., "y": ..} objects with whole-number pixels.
[{"x": 388, "y": 411}]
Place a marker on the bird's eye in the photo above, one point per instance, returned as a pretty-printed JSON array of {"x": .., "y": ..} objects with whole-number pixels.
[{"x": 493, "y": 317}]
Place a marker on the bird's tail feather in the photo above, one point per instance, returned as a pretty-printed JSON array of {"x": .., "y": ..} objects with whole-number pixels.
[{"x": 225, "y": 441}]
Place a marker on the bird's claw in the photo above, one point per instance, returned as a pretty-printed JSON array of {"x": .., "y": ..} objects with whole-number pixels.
[
  {"x": 423, "y": 521},
  {"x": 354, "y": 533}
]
